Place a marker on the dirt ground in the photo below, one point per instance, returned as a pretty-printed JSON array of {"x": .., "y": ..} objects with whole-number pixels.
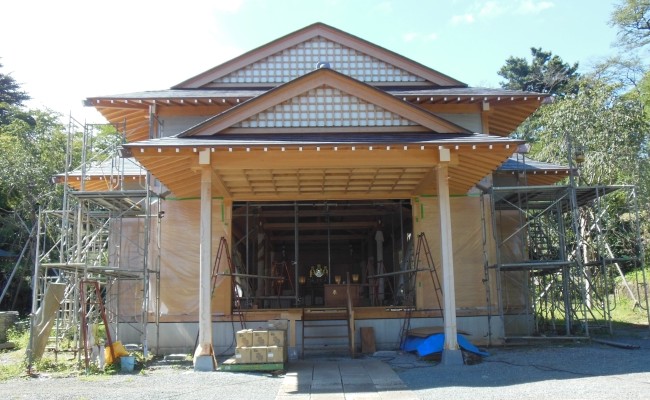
[{"x": 553, "y": 368}]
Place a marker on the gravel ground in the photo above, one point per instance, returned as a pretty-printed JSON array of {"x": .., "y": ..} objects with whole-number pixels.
[
  {"x": 160, "y": 381},
  {"x": 547, "y": 370},
  {"x": 551, "y": 371}
]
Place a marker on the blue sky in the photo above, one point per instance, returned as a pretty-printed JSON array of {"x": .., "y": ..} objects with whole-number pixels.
[{"x": 64, "y": 51}]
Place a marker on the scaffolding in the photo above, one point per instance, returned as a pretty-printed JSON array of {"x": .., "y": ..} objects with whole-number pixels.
[
  {"x": 102, "y": 234},
  {"x": 558, "y": 250}
]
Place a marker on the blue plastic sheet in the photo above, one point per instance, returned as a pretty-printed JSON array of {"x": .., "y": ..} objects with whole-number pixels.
[{"x": 435, "y": 344}]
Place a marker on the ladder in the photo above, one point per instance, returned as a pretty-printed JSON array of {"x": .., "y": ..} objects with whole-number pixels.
[
  {"x": 330, "y": 329},
  {"x": 423, "y": 245},
  {"x": 540, "y": 247},
  {"x": 233, "y": 273},
  {"x": 326, "y": 330}
]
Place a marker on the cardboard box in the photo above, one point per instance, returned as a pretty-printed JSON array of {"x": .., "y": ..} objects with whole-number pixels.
[
  {"x": 259, "y": 354},
  {"x": 277, "y": 338},
  {"x": 244, "y": 338},
  {"x": 243, "y": 355},
  {"x": 260, "y": 338},
  {"x": 275, "y": 354}
]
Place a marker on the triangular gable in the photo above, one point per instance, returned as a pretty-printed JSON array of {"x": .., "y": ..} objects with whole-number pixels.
[
  {"x": 300, "y": 52},
  {"x": 322, "y": 99},
  {"x": 325, "y": 107}
]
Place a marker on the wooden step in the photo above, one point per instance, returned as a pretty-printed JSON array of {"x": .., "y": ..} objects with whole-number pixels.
[{"x": 325, "y": 330}]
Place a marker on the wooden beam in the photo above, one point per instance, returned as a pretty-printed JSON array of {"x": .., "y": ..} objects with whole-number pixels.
[
  {"x": 204, "y": 342},
  {"x": 447, "y": 256},
  {"x": 305, "y": 226}
]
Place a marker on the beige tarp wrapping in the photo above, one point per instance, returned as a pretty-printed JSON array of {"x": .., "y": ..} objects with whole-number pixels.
[
  {"x": 127, "y": 254},
  {"x": 45, "y": 316},
  {"x": 179, "y": 260},
  {"x": 467, "y": 239},
  {"x": 513, "y": 250}
]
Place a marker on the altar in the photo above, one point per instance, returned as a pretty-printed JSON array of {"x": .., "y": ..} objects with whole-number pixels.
[{"x": 337, "y": 295}]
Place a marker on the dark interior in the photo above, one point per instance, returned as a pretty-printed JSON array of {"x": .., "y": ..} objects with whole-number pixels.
[{"x": 302, "y": 254}]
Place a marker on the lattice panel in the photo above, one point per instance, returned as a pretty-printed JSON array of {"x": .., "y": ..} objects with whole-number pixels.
[
  {"x": 324, "y": 107},
  {"x": 304, "y": 57}
]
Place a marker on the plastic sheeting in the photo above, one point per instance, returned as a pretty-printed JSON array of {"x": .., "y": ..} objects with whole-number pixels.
[
  {"x": 179, "y": 258},
  {"x": 435, "y": 344},
  {"x": 469, "y": 259}
]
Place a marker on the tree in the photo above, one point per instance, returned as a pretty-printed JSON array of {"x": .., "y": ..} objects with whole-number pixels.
[
  {"x": 31, "y": 155},
  {"x": 609, "y": 127},
  {"x": 546, "y": 73},
  {"x": 11, "y": 97},
  {"x": 632, "y": 18}
]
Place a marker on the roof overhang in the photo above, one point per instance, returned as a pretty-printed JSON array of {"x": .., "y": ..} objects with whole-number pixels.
[
  {"x": 327, "y": 167},
  {"x": 531, "y": 172}
]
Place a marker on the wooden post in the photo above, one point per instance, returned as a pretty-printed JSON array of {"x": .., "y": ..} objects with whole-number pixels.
[
  {"x": 451, "y": 354},
  {"x": 203, "y": 355}
]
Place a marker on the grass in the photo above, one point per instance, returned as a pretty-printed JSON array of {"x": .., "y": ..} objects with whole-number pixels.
[
  {"x": 14, "y": 362},
  {"x": 624, "y": 309}
]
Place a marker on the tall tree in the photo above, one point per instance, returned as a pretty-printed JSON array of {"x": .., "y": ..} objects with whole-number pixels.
[
  {"x": 11, "y": 99},
  {"x": 545, "y": 73},
  {"x": 609, "y": 127},
  {"x": 632, "y": 18},
  {"x": 10, "y": 91}
]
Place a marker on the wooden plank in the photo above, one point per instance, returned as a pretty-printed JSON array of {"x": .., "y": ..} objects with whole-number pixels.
[
  {"x": 231, "y": 365},
  {"x": 368, "y": 340}
]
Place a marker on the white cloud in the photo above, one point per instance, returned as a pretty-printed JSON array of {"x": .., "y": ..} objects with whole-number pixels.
[
  {"x": 485, "y": 9},
  {"x": 385, "y": 7},
  {"x": 491, "y": 9},
  {"x": 462, "y": 19},
  {"x": 533, "y": 7},
  {"x": 230, "y": 6},
  {"x": 410, "y": 36},
  {"x": 90, "y": 49}
]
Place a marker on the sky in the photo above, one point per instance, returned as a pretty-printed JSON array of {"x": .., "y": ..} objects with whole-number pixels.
[{"x": 62, "y": 52}]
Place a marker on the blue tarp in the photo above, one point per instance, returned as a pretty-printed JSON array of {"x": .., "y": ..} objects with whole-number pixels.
[
  {"x": 7, "y": 254},
  {"x": 435, "y": 344}
]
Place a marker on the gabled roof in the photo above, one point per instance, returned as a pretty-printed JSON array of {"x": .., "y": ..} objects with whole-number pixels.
[
  {"x": 533, "y": 172},
  {"x": 521, "y": 164},
  {"x": 323, "y": 99},
  {"x": 299, "y": 52},
  {"x": 109, "y": 174},
  {"x": 508, "y": 108}
]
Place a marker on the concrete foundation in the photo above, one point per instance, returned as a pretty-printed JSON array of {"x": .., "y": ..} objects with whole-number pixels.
[
  {"x": 180, "y": 337},
  {"x": 204, "y": 364},
  {"x": 452, "y": 357}
]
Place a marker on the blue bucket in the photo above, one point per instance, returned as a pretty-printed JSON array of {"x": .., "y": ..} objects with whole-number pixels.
[{"x": 127, "y": 363}]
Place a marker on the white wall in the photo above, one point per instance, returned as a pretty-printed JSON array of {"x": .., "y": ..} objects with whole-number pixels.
[{"x": 471, "y": 122}]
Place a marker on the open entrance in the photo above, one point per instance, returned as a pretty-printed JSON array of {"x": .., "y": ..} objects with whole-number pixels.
[{"x": 299, "y": 254}]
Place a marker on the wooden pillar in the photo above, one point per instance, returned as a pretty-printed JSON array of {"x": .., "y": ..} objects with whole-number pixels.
[
  {"x": 203, "y": 355},
  {"x": 451, "y": 354}
]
